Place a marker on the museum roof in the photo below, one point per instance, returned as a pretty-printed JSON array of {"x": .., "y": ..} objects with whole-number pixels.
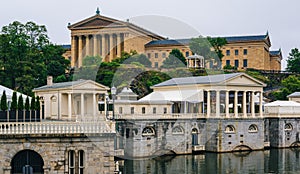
[
  {"x": 295, "y": 94},
  {"x": 212, "y": 79},
  {"x": 60, "y": 85},
  {"x": 275, "y": 53},
  {"x": 230, "y": 39}
]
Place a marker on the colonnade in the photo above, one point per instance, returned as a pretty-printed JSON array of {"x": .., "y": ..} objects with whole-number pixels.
[
  {"x": 213, "y": 103},
  {"x": 108, "y": 46},
  {"x": 195, "y": 61}
]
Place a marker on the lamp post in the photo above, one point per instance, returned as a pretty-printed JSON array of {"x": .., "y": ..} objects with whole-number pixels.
[
  {"x": 106, "y": 105},
  {"x": 113, "y": 94}
]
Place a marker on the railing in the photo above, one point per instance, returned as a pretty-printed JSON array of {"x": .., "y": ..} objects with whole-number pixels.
[
  {"x": 56, "y": 128},
  {"x": 183, "y": 116}
]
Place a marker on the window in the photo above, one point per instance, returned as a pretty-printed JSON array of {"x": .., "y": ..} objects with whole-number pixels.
[
  {"x": 165, "y": 110},
  {"x": 230, "y": 129},
  {"x": 236, "y": 63},
  {"x": 120, "y": 110},
  {"x": 227, "y": 62},
  {"x": 288, "y": 127},
  {"x": 149, "y": 55},
  {"x": 236, "y": 52},
  {"x": 245, "y": 63},
  {"x": 143, "y": 110},
  {"x": 245, "y": 51},
  {"x": 148, "y": 131},
  {"x": 154, "y": 110},
  {"x": 252, "y": 128},
  {"x": 71, "y": 156},
  {"x": 187, "y": 54},
  {"x": 156, "y": 64},
  {"x": 132, "y": 110},
  {"x": 156, "y": 55},
  {"x": 81, "y": 161},
  {"x": 164, "y": 55},
  {"x": 227, "y": 52},
  {"x": 177, "y": 130}
]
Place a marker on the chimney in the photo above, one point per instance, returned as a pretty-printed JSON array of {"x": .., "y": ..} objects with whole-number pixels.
[{"x": 49, "y": 80}]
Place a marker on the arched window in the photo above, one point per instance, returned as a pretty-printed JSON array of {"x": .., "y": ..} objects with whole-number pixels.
[
  {"x": 178, "y": 130},
  {"x": 230, "y": 129},
  {"x": 288, "y": 127},
  {"x": 194, "y": 131},
  {"x": 81, "y": 161},
  {"x": 253, "y": 128},
  {"x": 148, "y": 131},
  {"x": 71, "y": 161}
]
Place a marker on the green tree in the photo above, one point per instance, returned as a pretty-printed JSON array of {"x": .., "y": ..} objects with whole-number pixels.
[
  {"x": 20, "y": 103},
  {"x": 293, "y": 61},
  {"x": 32, "y": 103},
  {"x": 174, "y": 60},
  {"x": 139, "y": 58},
  {"x": 89, "y": 69},
  {"x": 14, "y": 102},
  {"x": 3, "y": 103},
  {"x": 290, "y": 84},
  {"x": 27, "y": 105},
  {"x": 37, "y": 103}
]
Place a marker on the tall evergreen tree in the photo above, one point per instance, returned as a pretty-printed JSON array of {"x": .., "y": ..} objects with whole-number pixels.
[
  {"x": 14, "y": 102},
  {"x": 32, "y": 103},
  {"x": 37, "y": 103},
  {"x": 174, "y": 60},
  {"x": 293, "y": 61},
  {"x": 3, "y": 103},
  {"x": 27, "y": 105},
  {"x": 20, "y": 103}
]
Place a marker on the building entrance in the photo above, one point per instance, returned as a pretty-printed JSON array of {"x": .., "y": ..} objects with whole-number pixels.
[{"x": 27, "y": 162}]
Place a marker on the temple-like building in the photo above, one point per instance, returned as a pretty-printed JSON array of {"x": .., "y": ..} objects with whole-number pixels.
[{"x": 107, "y": 37}]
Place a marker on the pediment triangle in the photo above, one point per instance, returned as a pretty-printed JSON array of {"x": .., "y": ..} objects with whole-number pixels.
[
  {"x": 90, "y": 85},
  {"x": 244, "y": 80},
  {"x": 97, "y": 21}
]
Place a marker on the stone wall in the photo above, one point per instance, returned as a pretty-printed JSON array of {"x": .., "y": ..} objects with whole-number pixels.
[{"x": 98, "y": 150}]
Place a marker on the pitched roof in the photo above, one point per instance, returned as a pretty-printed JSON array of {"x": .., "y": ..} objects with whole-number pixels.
[
  {"x": 275, "y": 53},
  {"x": 213, "y": 79},
  {"x": 60, "y": 85},
  {"x": 295, "y": 94},
  {"x": 230, "y": 39}
]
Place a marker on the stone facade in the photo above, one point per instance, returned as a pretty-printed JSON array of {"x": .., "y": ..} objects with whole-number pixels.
[{"x": 98, "y": 151}]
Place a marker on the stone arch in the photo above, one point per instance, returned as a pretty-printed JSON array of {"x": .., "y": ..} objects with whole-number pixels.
[
  {"x": 195, "y": 136},
  {"x": 27, "y": 160},
  {"x": 253, "y": 128},
  {"x": 178, "y": 130},
  {"x": 288, "y": 127},
  {"x": 229, "y": 129},
  {"x": 295, "y": 144},
  {"x": 148, "y": 131},
  {"x": 163, "y": 152},
  {"x": 242, "y": 148}
]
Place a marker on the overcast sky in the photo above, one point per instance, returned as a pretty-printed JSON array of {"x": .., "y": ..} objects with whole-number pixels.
[{"x": 195, "y": 17}]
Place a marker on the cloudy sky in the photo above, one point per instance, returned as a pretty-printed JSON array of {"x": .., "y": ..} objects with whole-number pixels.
[{"x": 174, "y": 19}]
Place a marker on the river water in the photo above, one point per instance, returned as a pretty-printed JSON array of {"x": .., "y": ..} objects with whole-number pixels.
[{"x": 268, "y": 161}]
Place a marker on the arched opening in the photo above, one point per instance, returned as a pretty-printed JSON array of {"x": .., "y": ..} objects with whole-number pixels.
[
  {"x": 148, "y": 131},
  {"x": 288, "y": 127},
  {"x": 194, "y": 136},
  {"x": 253, "y": 128},
  {"x": 242, "y": 148},
  {"x": 230, "y": 129},
  {"x": 178, "y": 130},
  {"x": 27, "y": 162}
]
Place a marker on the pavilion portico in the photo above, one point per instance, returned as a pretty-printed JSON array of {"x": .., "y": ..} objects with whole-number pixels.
[
  {"x": 228, "y": 95},
  {"x": 76, "y": 101}
]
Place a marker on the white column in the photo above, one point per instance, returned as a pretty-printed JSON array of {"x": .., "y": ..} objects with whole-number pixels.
[
  {"x": 96, "y": 52},
  {"x": 82, "y": 106},
  {"x": 70, "y": 106},
  {"x": 252, "y": 104},
  {"x": 119, "y": 51},
  {"x": 79, "y": 51},
  {"x": 94, "y": 105},
  {"x": 208, "y": 104},
  {"x": 105, "y": 105},
  {"x": 87, "y": 46},
  {"x": 217, "y": 103},
  {"x": 59, "y": 106},
  {"x": 227, "y": 104},
  {"x": 261, "y": 104},
  {"x": 111, "y": 47},
  {"x": 236, "y": 111},
  {"x": 245, "y": 103}
]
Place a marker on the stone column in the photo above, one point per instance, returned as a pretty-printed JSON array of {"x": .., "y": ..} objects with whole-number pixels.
[
  {"x": 227, "y": 104},
  {"x": 119, "y": 44},
  {"x": 87, "y": 46},
  {"x": 103, "y": 53},
  {"x": 236, "y": 111},
  {"x": 208, "y": 104},
  {"x": 252, "y": 104},
  {"x": 218, "y": 103},
  {"x": 111, "y": 47},
  {"x": 70, "y": 106},
  {"x": 79, "y": 51},
  {"x": 82, "y": 106},
  {"x": 59, "y": 106},
  {"x": 73, "y": 51},
  {"x": 94, "y": 106},
  {"x": 95, "y": 39},
  {"x": 261, "y": 104},
  {"x": 245, "y": 103}
]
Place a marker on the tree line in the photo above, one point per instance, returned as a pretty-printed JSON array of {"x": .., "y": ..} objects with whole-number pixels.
[{"x": 18, "y": 104}]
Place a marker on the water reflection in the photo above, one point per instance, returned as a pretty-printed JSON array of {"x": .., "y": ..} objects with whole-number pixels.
[{"x": 268, "y": 161}]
